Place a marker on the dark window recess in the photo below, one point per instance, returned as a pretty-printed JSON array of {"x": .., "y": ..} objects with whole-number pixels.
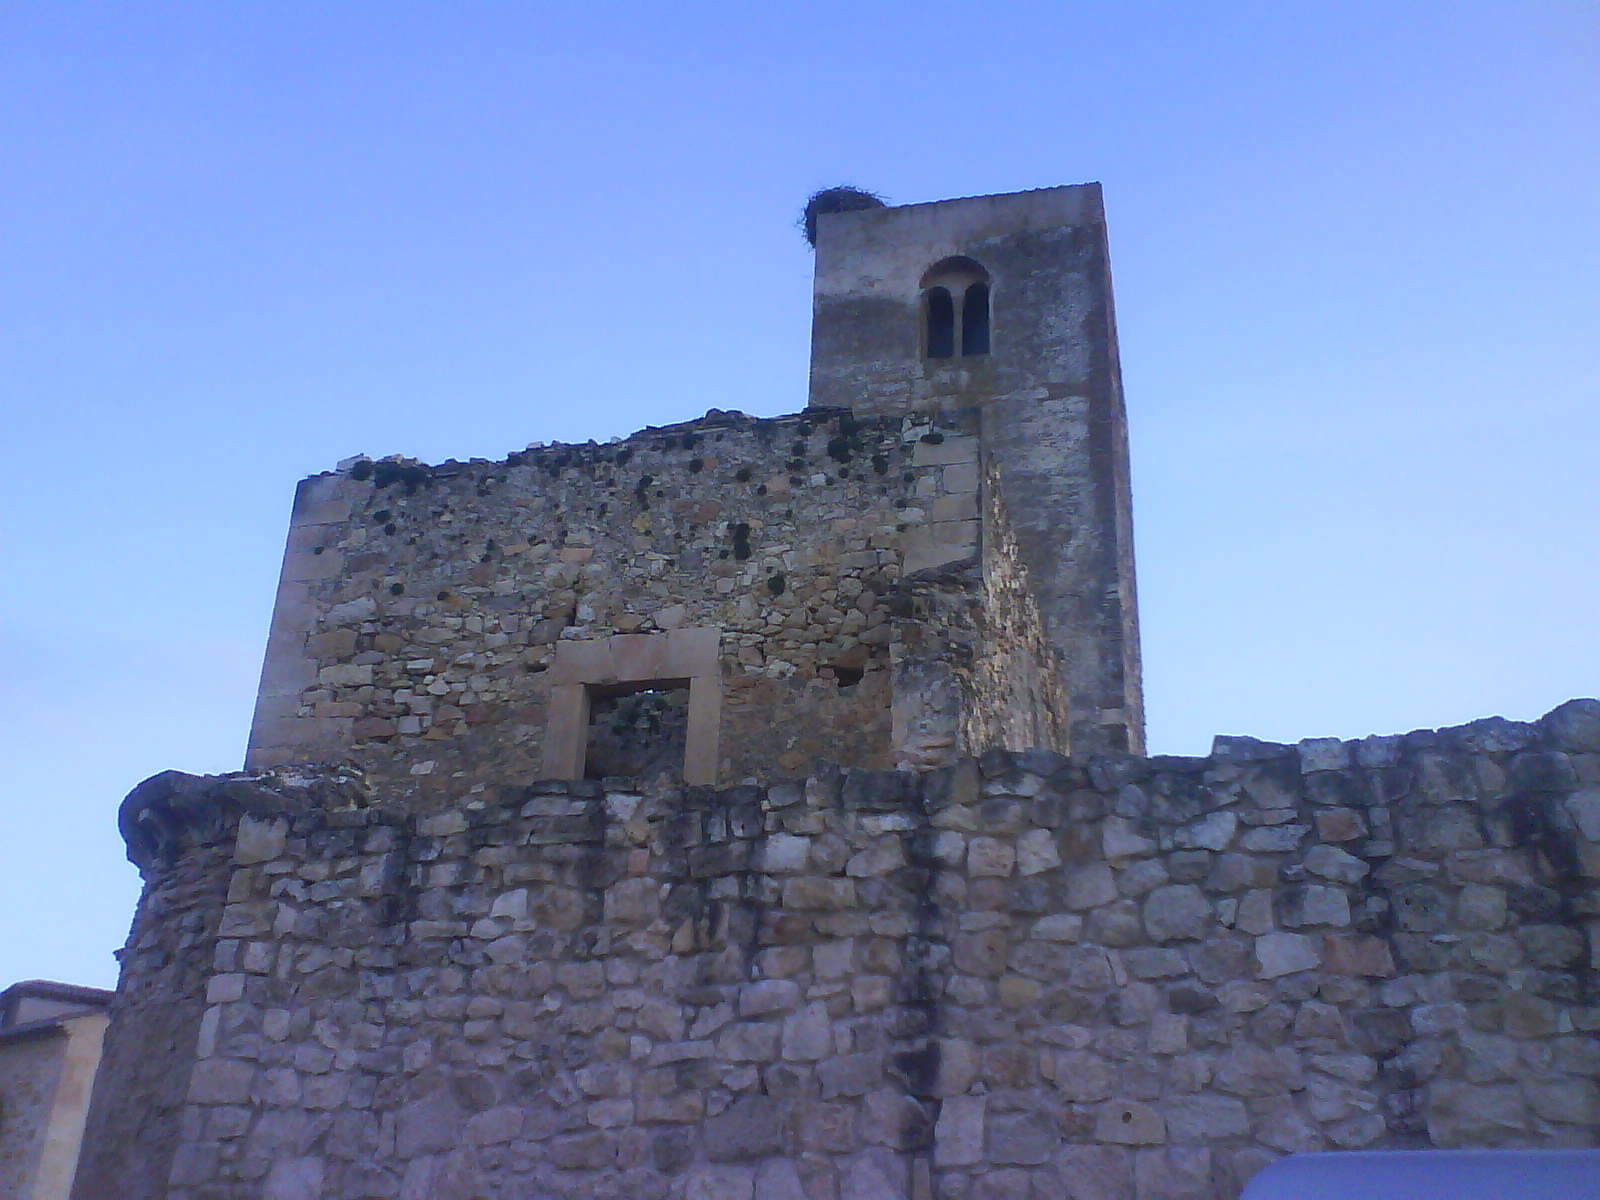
[
  {"x": 956, "y": 308},
  {"x": 975, "y": 320},
  {"x": 641, "y": 733},
  {"x": 941, "y": 324}
]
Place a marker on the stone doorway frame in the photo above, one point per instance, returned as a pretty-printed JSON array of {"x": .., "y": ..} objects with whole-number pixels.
[{"x": 584, "y": 668}]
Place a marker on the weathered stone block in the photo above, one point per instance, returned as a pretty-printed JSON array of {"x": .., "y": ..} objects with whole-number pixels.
[
  {"x": 1206, "y": 1118},
  {"x": 493, "y": 1126},
  {"x": 958, "y": 1136},
  {"x": 778, "y": 1180},
  {"x": 1463, "y": 1114},
  {"x": 1346, "y": 955},
  {"x": 259, "y": 840},
  {"x": 850, "y": 1075},
  {"x": 1574, "y": 726},
  {"x": 1025, "y": 1139},
  {"x": 294, "y": 1179},
  {"x": 1174, "y": 1173},
  {"x": 1090, "y": 886},
  {"x": 1129, "y": 1123},
  {"x": 749, "y": 1043},
  {"x": 1116, "y": 924},
  {"x": 958, "y": 1064},
  {"x": 1339, "y": 825},
  {"x": 818, "y": 893},
  {"x": 720, "y": 1183},
  {"x": 1572, "y": 1101},
  {"x": 1273, "y": 839},
  {"x": 1323, "y": 754},
  {"x": 1139, "y": 876},
  {"x": 784, "y": 854},
  {"x": 633, "y": 901},
  {"x": 807, "y": 1035},
  {"x": 428, "y": 1125},
  {"x": 1284, "y": 954},
  {"x": 1120, "y": 838},
  {"x": 1542, "y": 771},
  {"x": 1528, "y": 1016},
  {"x": 1280, "y": 1124},
  {"x": 946, "y": 452},
  {"x": 883, "y": 857},
  {"x": 221, "y": 1081},
  {"x": 768, "y": 996},
  {"x": 1037, "y": 852},
  {"x": 1332, "y": 863},
  {"x": 1211, "y": 832},
  {"x": 988, "y": 856},
  {"x": 1059, "y": 927},
  {"x": 1313, "y": 905},
  {"x": 1177, "y": 912},
  {"x": 1254, "y": 1071},
  {"x": 1097, "y": 1172},
  {"x": 1082, "y": 1076},
  {"x": 751, "y": 1127},
  {"x": 983, "y": 953}
]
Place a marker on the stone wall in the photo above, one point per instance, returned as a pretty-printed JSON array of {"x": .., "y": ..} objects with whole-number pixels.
[
  {"x": 1097, "y": 977},
  {"x": 421, "y": 608},
  {"x": 135, "y": 1123},
  {"x": 30, "y": 1068},
  {"x": 1019, "y": 675},
  {"x": 50, "y": 1039},
  {"x": 181, "y": 831}
]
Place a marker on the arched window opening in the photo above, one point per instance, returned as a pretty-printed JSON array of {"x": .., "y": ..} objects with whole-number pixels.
[
  {"x": 975, "y": 320},
  {"x": 941, "y": 323},
  {"x": 955, "y": 302}
]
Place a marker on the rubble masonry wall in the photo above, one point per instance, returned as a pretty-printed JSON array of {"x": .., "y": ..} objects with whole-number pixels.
[
  {"x": 1104, "y": 977},
  {"x": 420, "y": 607}
]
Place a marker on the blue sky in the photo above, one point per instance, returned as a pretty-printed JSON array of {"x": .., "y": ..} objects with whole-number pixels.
[{"x": 1355, "y": 251}]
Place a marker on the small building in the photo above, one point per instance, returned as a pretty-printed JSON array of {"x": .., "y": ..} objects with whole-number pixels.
[{"x": 50, "y": 1037}]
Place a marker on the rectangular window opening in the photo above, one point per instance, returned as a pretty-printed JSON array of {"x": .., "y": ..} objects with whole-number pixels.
[{"x": 638, "y": 730}]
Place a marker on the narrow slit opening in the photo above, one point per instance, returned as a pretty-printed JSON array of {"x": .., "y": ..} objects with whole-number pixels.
[
  {"x": 941, "y": 323},
  {"x": 975, "y": 320}
]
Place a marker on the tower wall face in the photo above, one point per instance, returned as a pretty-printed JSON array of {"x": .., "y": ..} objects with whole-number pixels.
[
  {"x": 1049, "y": 390},
  {"x": 1045, "y": 254}
]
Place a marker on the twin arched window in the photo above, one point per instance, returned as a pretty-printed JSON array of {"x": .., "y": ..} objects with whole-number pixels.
[{"x": 955, "y": 309}]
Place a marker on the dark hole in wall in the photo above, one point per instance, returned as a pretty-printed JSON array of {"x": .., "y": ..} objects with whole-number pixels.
[
  {"x": 941, "y": 323},
  {"x": 975, "y": 320},
  {"x": 638, "y": 733}
]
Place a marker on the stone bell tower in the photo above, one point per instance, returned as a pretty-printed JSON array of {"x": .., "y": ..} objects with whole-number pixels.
[{"x": 1000, "y": 307}]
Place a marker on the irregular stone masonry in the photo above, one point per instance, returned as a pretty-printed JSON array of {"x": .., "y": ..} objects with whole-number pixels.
[
  {"x": 1024, "y": 975},
  {"x": 421, "y": 608}
]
